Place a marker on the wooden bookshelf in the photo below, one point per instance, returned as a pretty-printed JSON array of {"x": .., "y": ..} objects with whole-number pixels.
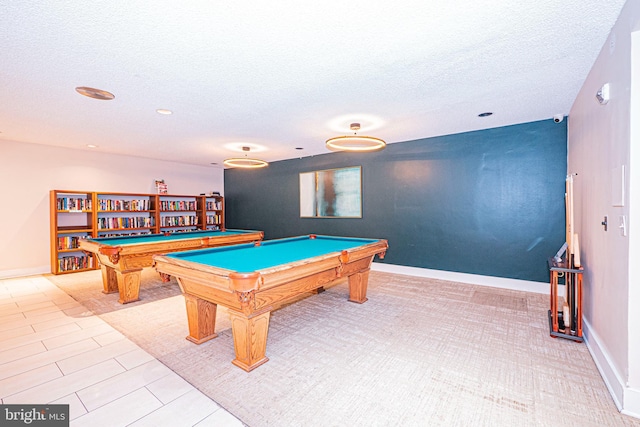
[
  {"x": 72, "y": 218},
  {"x": 211, "y": 209},
  {"x": 124, "y": 214},
  {"x": 82, "y": 214},
  {"x": 178, "y": 213}
]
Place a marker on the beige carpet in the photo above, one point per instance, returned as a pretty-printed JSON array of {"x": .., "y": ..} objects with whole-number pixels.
[{"x": 420, "y": 352}]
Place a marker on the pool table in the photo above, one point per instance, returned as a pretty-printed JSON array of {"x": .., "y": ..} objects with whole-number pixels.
[
  {"x": 123, "y": 258},
  {"x": 251, "y": 280}
]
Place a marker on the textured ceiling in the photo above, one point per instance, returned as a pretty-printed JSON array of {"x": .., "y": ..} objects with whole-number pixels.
[{"x": 285, "y": 74}]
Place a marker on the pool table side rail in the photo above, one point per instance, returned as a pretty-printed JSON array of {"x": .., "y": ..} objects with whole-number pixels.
[
  {"x": 110, "y": 255},
  {"x": 268, "y": 286},
  {"x": 173, "y": 237},
  {"x": 268, "y": 277}
]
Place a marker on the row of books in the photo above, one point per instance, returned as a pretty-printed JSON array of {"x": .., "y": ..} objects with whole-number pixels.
[
  {"x": 132, "y": 233},
  {"x": 69, "y": 263},
  {"x": 69, "y": 242},
  {"x": 125, "y": 222},
  {"x": 180, "y": 230},
  {"x": 213, "y": 219},
  {"x": 124, "y": 205},
  {"x": 172, "y": 221},
  {"x": 84, "y": 204},
  {"x": 73, "y": 204},
  {"x": 178, "y": 205},
  {"x": 213, "y": 206}
]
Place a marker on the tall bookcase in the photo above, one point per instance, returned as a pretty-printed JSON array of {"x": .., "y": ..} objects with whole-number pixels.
[
  {"x": 81, "y": 214},
  {"x": 72, "y": 218},
  {"x": 211, "y": 209},
  {"x": 178, "y": 213}
]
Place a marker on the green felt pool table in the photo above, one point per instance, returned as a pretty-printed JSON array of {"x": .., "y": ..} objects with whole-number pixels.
[
  {"x": 251, "y": 280},
  {"x": 123, "y": 258}
]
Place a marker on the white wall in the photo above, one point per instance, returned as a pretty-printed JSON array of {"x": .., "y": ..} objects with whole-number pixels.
[
  {"x": 599, "y": 145},
  {"x": 633, "y": 400},
  {"x": 29, "y": 171}
]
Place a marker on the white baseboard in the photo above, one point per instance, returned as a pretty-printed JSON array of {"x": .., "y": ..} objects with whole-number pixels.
[
  {"x": 473, "y": 279},
  {"x": 626, "y": 399},
  {"x": 8, "y": 274},
  {"x": 631, "y": 402}
]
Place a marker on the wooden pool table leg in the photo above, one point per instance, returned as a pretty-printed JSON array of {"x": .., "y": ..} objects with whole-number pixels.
[
  {"x": 358, "y": 286},
  {"x": 109, "y": 279},
  {"x": 250, "y": 338},
  {"x": 201, "y": 316},
  {"x": 128, "y": 285}
]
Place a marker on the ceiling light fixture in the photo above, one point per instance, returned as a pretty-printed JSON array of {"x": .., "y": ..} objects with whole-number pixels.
[
  {"x": 94, "y": 93},
  {"x": 245, "y": 162},
  {"x": 164, "y": 111},
  {"x": 355, "y": 142}
]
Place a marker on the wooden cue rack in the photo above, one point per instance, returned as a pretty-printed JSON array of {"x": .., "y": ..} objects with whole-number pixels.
[{"x": 566, "y": 322}]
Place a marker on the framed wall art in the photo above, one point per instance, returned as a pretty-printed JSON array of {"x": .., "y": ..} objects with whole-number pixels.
[{"x": 331, "y": 193}]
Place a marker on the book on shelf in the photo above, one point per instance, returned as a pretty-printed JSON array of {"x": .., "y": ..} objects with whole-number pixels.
[
  {"x": 73, "y": 204},
  {"x": 69, "y": 242},
  {"x": 70, "y": 263},
  {"x": 173, "y": 221},
  {"x": 213, "y": 205},
  {"x": 213, "y": 219},
  {"x": 161, "y": 186},
  {"x": 178, "y": 205},
  {"x": 124, "y": 205},
  {"x": 107, "y": 233},
  {"x": 125, "y": 222}
]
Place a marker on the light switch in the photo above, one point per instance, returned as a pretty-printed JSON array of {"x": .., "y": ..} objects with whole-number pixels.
[{"x": 623, "y": 225}]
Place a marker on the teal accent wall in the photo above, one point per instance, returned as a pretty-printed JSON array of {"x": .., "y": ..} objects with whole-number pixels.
[{"x": 488, "y": 202}]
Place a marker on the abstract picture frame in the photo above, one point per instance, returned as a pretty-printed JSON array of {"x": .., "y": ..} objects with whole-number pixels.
[{"x": 331, "y": 193}]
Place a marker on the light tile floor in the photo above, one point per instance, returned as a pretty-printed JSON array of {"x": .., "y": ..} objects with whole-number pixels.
[{"x": 54, "y": 350}]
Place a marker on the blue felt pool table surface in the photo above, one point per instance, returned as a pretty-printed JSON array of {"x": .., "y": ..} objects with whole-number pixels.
[{"x": 270, "y": 253}]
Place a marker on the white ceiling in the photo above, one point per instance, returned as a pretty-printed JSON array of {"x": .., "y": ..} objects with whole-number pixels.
[{"x": 286, "y": 74}]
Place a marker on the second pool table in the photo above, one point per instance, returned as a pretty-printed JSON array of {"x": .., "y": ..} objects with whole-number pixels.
[
  {"x": 251, "y": 280},
  {"x": 123, "y": 258}
]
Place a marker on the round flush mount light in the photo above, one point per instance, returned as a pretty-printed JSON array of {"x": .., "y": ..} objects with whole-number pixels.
[
  {"x": 95, "y": 93},
  {"x": 245, "y": 162},
  {"x": 164, "y": 111},
  {"x": 355, "y": 142}
]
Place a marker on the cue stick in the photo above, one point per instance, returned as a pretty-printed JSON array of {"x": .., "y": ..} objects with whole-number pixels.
[
  {"x": 570, "y": 240},
  {"x": 569, "y": 231},
  {"x": 566, "y": 316}
]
